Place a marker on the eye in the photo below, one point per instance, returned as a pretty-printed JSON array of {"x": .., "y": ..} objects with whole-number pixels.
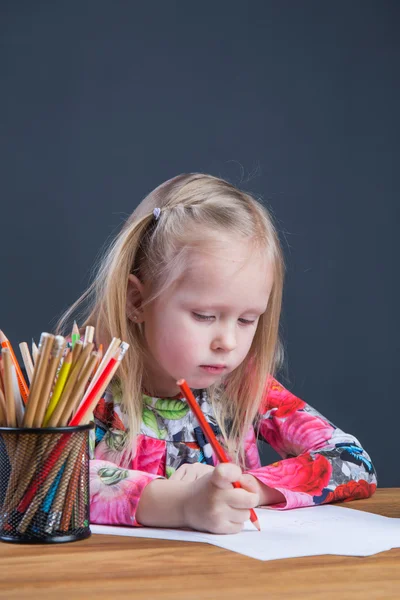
[
  {"x": 203, "y": 317},
  {"x": 246, "y": 321},
  {"x": 210, "y": 317}
]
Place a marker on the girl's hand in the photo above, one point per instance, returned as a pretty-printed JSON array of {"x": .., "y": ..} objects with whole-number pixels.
[
  {"x": 191, "y": 471},
  {"x": 213, "y": 505}
]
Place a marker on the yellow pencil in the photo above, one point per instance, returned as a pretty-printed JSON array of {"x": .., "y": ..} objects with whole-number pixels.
[{"x": 59, "y": 387}]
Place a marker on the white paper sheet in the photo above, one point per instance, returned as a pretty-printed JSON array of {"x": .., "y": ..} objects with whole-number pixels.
[{"x": 309, "y": 531}]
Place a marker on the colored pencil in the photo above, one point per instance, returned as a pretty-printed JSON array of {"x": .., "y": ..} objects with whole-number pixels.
[
  {"x": 19, "y": 405},
  {"x": 59, "y": 386},
  {"x": 78, "y": 419},
  {"x": 3, "y": 415},
  {"x": 55, "y": 419},
  {"x": 75, "y": 336},
  {"x": 54, "y": 361},
  {"x": 89, "y": 334},
  {"x": 62, "y": 393},
  {"x": 208, "y": 432},
  {"x": 5, "y": 343},
  {"x": 35, "y": 351},
  {"x": 26, "y": 357},
  {"x": 9, "y": 395},
  {"x": 76, "y": 352},
  {"x": 45, "y": 345},
  {"x": 99, "y": 387}
]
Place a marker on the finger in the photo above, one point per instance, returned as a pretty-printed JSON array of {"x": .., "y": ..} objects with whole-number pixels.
[
  {"x": 225, "y": 474},
  {"x": 225, "y": 528},
  {"x": 228, "y": 528},
  {"x": 179, "y": 474},
  {"x": 239, "y": 498},
  {"x": 231, "y": 521},
  {"x": 239, "y": 516},
  {"x": 234, "y": 519},
  {"x": 249, "y": 483}
]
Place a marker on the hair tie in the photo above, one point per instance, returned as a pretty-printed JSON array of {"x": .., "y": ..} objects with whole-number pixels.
[{"x": 156, "y": 213}]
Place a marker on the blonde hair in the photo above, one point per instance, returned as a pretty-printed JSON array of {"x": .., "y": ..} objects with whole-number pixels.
[{"x": 194, "y": 207}]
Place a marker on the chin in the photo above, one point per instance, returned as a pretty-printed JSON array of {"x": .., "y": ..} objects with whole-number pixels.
[{"x": 198, "y": 383}]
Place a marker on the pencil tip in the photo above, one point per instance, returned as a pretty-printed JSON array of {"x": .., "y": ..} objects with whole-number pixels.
[
  {"x": 2, "y": 337},
  {"x": 257, "y": 524}
]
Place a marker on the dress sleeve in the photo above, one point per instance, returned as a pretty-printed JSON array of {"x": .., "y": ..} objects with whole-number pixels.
[
  {"x": 320, "y": 463},
  {"x": 115, "y": 488}
]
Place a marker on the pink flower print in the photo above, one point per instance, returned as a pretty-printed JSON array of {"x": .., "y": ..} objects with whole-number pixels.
[
  {"x": 114, "y": 493},
  {"x": 305, "y": 474},
  {"x": 150, "y": 455},
  {"x": 252, "y": 457},
  {"x": 282, "y": 400},
  {"x": 298, "y": 433}
]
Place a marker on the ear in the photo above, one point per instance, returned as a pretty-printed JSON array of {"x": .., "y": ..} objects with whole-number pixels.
[{"x": 134, "y": 299}]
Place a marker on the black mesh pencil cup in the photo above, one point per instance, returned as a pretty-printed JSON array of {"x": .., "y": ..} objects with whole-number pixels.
[{"x": 44, "y": 484}]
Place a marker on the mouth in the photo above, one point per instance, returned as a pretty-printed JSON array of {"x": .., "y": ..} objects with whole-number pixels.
[{"x": 214, "y": 368}]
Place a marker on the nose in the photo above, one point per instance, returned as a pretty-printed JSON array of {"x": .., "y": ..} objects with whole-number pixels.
[{"x": 225, "y": 340}]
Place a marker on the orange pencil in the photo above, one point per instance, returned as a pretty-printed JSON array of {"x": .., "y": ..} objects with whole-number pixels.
[
  {"x": 208, "y": 432},
  {"x": 23, "y": 388}
]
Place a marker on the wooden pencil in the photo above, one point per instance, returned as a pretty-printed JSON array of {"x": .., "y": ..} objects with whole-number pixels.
[
  {"x": 9, "y": 395},
  {"x": 5, "y": 343},
  {"x": 100, "y": 358},
  {"x": 19, "y": 405},
  {"x": 3, "y": 415},
  {"x": 54, "y": 420},
  {"x": 2, "y": 373},
  {"x": 27, "y": 359},
  {"x": 89, "y": 335},
  {"x": 86, "y": 407},
  {"x": 78, "y": 391},
  {"x": 8, "y": 441},
  {"x": 111, "y": 350},
  {"x": 59, "y": 387},
  {"x": 45, "y": 345},
  {"x": 55, "y": 357},
  {"x": 75, "y": 335},
  {"x": 76, "y": 352},
  {"x": 35, "y": 352}
]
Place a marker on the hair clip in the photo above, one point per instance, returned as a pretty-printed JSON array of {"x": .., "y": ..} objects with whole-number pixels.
[{"x": 156, "y": 213}]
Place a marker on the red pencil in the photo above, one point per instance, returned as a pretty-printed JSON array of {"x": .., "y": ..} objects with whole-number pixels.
[{"x": 208, "y": 432}]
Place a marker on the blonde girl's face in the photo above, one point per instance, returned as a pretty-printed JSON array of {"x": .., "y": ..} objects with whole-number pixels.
[{"x": 202, "y": 328}]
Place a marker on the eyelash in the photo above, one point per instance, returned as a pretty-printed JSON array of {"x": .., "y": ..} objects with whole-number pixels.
[{"x": 207, "y": 318}]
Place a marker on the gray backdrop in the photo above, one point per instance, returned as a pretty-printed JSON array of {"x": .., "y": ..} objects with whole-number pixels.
[{"x": 296, "y": 101}]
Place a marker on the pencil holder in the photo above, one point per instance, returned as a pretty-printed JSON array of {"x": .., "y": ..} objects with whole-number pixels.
[{"x": 44, "y": 484}]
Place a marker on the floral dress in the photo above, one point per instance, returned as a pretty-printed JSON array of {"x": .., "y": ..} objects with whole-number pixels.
[{"x": 320, "y": 463}]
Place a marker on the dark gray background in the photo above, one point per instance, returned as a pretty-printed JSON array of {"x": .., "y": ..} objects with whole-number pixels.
[{"x": 296, "y": 101}]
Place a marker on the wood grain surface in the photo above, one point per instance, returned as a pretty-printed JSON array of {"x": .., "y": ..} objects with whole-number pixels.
[{"x": 107, "y": 567}]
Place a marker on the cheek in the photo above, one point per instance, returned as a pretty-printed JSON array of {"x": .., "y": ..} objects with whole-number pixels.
[{"x": 174, "y": 340}]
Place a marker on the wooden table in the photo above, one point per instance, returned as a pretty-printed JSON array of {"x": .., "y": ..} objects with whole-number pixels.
[{"x": 120, "y": 567}]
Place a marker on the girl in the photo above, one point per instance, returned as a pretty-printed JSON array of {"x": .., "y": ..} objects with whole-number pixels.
[{"x": 193, "y": 283}]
